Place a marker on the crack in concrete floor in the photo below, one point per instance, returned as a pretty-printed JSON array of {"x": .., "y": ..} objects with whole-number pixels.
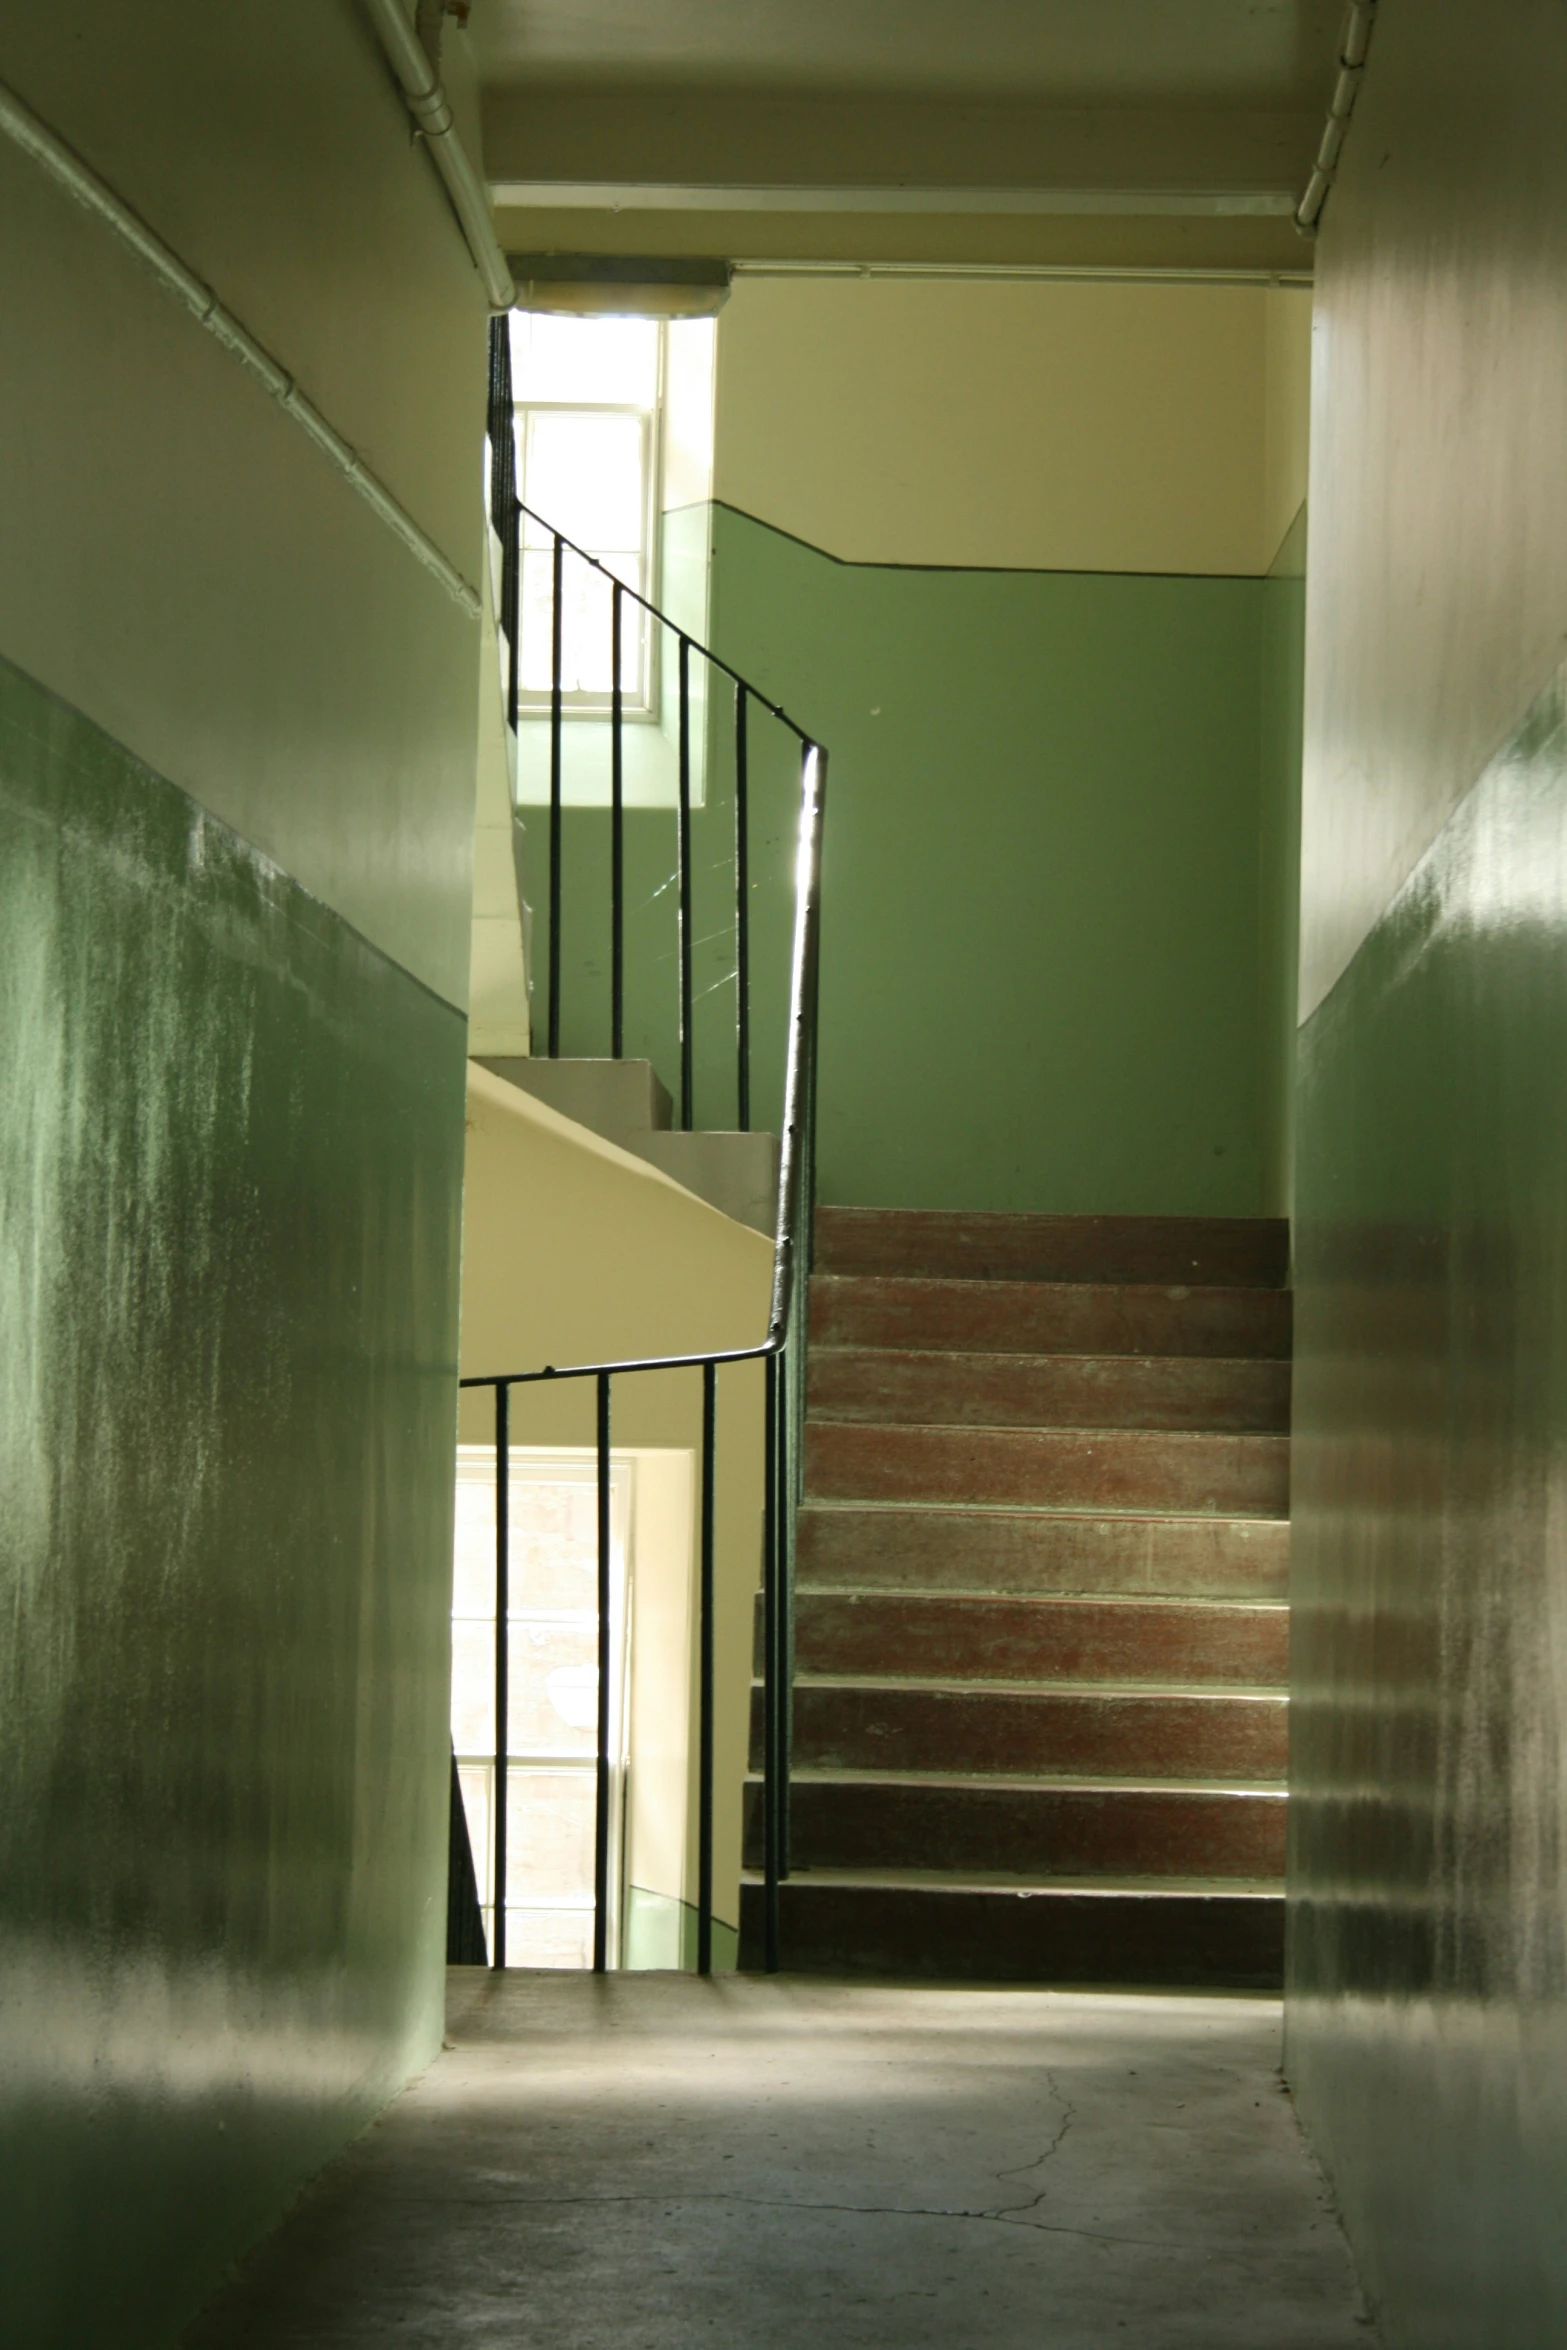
[{"x": 1147, "y": 2128}]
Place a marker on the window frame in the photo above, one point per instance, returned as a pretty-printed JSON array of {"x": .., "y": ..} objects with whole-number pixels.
[{"x": 642, "y": 706}]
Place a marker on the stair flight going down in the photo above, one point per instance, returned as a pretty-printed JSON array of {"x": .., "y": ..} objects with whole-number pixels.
[{"x": 1041, "y": 1619}]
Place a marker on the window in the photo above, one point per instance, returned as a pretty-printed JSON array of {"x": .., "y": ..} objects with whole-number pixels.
[
  {"x": 552, "y": 1693},
  {"x": 588, "y": 394}
]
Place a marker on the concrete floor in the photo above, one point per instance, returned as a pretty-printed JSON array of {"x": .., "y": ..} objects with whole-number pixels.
[{"x": 650, "y": 2162}]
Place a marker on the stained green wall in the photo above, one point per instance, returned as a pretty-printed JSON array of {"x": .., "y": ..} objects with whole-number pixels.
[
  {"x": 1426, "y": 2004},
  {"x": 230, "y": 1165},
  {"x": 1428, "y": 1915},
  {"x": 1048, "y": 979},
  {"x": 1283, "y": 719}
]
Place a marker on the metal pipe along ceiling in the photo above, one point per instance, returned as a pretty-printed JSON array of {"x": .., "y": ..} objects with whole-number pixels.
[{"x": 431, "y": 110}]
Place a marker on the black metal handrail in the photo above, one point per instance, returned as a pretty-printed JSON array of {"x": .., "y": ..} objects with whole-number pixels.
[
  {"x": 782, "y": 1350},
  {"x": 508, "y": 513}
]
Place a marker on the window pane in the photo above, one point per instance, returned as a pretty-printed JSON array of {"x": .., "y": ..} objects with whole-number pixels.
[
  {"x": 553, "y": 1686},
  {"x": 549, "y": 1937},
  {"x": 584, "y": 474},
  {"x": 585, "y": 625},
  {"x": 613, "y": 360},
  {"x": 549, "y": 1835}
]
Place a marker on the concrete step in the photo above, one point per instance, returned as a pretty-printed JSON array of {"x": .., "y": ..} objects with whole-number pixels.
[
  {"x": 611, "y": 1098},
  {"x": 627, "y": 1104},
  {"x": 1164, "y": 1644},
  {"x": 1138, "y": 1733},
  {"x": 1050, "y": 1317},
  {"x": 1213, "y": 1936},
  {"x": 1135, "y": 1468},
  {"x": 735, "y": 1173},
  {"x": 869, "y": 1546},
  {"x": 1047, "y": 1391},
  {"x": 1041, "y": 1826},
  {"x": 1228, "y": 1251}
]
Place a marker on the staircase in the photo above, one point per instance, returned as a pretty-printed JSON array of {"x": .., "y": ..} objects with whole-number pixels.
[
  {"x": 1041, "y": 1627},
  {"x": 628, "y": 1104}
]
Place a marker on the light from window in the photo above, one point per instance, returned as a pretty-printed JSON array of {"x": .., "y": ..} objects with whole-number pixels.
[{"x": 587, "y": 393}]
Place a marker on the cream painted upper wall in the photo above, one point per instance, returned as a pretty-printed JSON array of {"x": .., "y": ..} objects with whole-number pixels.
[
  {"x": 182, "y": 562},
  {"x": 1044, "y": 424},
  {"x": 1437, "y": 564}
]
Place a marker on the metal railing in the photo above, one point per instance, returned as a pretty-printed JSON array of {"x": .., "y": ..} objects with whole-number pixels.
[
  {"x": 782, "y": 1350},
  {"x": 508, "y": 514}
]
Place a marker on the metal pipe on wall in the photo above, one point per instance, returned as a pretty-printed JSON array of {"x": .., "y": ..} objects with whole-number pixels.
[{"x": 431, "y": 109}]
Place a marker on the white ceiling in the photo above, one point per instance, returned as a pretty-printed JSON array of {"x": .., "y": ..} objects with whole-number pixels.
[{"x": 1266, "y": 54}]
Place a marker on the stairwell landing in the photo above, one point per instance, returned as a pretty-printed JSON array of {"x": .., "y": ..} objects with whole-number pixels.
[{"x": 1041, "y": 1617}]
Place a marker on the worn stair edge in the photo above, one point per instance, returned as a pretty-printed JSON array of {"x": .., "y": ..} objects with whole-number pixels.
[
  {"x": 1127, "y": 1468},
  {"x": 1040, "y": 1637},
  {"x": 1051, "y": 1317},
  {"x": 1228, "y": 1251},
  {"x": 1218, "y": 1938},
  {"x": 925, "y": 1545},
  {"x": 884, "y": 1386},
  {"x": 988, "y": 1730},
  {"x": 1050, "y": 1827}
]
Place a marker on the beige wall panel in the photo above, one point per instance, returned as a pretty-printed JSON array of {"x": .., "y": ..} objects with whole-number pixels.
[
  {"x": 1287, "y": 413},
  {"x": 188, "y": 569},
  {"x": 1437, "y": 576},
  {"x": 266, "y": 141},
  {"x": 573, "y": 1252},
  {"x": 1056, "y": 240},
  {"x": 1045, "y": 425}
]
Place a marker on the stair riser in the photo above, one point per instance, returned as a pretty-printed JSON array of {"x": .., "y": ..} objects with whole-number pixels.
[
  {"x": 1037, "y": 1317},
  {"x": 1170, "y": 1251},
  {"x": 1036, "y": 1732},
  {"x": 939, "y": 1638},
  {"x": 1054, "y": 1831},
  {"x": 1049, "y": 1391},
  {"x": 1234, "y": 1476},
  {"x": 932, "y": 1549},
  {"x": 1217, "y": 1941}
]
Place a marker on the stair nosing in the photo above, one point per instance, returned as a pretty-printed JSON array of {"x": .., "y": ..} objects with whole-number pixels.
[
  {"x": 1207, "y": 1692},
  {"x": 1010, "y": 1881},
  {"x": 1043, "y": 1782}
]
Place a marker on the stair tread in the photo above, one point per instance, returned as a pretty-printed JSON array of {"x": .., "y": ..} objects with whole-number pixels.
[
  {"x": 1181, "y": 1692},
  {"x": 1035, "y": 1782},
  {"x": 1189, "y": 1251},
  {"x": 1012, "y": 1881}
]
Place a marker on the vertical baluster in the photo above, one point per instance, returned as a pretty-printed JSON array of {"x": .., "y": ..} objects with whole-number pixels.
[
  {"x": 617, "y": 835},
  {"x": 683, "y": 860},
  {"x": 704, "y": 1865},
  {"x": 742, "y": 912},
  {"x": 788, "y": 1456},
  {"x": 502, "y": 1662},
  {"x": 555, "y": 792},
  {"x": 601, "y": 1816},
  {"x": 770, "y": 1499}
]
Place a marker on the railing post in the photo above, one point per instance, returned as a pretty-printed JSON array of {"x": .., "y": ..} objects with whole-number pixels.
[
  {"x": 617, "y": 834},
  {"x": 502, "y": 1664},
  {"x": 770, "y": 1670},
  {"x": 601, "y": 1819},
  {"x": 557, "y": 568},
  {"x": 683, "y": 858},
  {"x": 742, "y": 915},
  {"x": 704, "y": 1866}
]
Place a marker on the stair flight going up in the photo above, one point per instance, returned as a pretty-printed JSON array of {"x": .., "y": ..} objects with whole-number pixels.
[{"x": 1041, "y": 1620}]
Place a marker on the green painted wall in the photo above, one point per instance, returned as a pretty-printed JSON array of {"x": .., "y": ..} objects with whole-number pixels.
[
  {"x": 1427, "y": 2003},
  {"x": 1048, "y": 978},
  {"x": 1283, "y": 721},
  {"x": 230, "y": 1168}
]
